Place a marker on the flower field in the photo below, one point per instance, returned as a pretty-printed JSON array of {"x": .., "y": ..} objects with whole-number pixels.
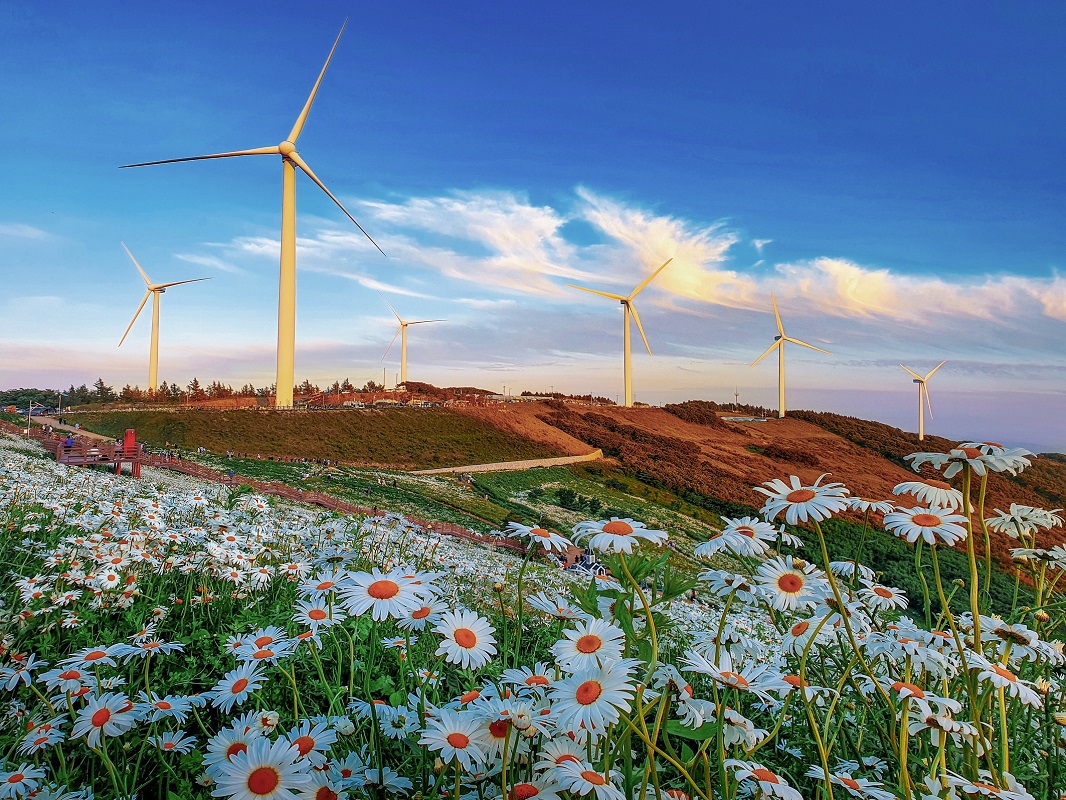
[{"x": 162, "y": 638}]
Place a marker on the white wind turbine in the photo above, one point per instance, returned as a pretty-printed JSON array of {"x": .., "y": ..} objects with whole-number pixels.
[
  {"x": 627, "y": 307},
  {"x": 402, "y": 333},
  {"x": 779, "y": 343},
  {"x": 290, "y": 162},
  {"x": 154, "y": 289},
  {"x": 923, "y": 390}
]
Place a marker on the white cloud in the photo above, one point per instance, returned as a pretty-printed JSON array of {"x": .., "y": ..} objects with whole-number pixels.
[
  {"x": 19, "y": 230},
  {"x": 211, "y": 262}
]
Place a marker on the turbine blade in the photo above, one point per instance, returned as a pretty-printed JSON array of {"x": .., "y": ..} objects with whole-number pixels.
[
  {"x": 387, "y": 349},
  {"x": 300, "y": 120},
  {"x": 295, "y": 158},
  {"x": 147, "y": 282},
  {"x": 424, "y": 321},
  {"x": 258, "y": 151},
  {"x": 928, "y": 403},
  {"x": 177, "y": 283},
  {"x": 640, "y": 288},
  {"x": 777, "y": 315},
  {"x": 136, "y": 314},
  {"x": 934, "y": 369},
  {"x": 636, "y": 319},
  {"x": 766, "y": 352},
  {"x": 913, "y": 374},
  {"x": 596, "y": 291},
  {"x": 393, "y": 310},
  {"x": 804, "y": 344}
]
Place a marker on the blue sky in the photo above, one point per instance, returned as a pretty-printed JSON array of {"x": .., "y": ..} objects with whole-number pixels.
[{"x": 895, "y": 175}]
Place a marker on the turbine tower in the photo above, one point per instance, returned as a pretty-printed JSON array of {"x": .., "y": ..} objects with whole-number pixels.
[
  {"x": 779, "y": 343},
  {"x": 627, "y": 308},
  {"x": 290, "y": 160},
  {"x": 402, "y": 333},
  {"x": 154, "y": 289},
  {"x": 923, "y": 390}
]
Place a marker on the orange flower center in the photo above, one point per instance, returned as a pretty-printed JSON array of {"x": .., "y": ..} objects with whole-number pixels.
[
  {"x": 523, "y": 791},
  {"x": 800, "y": 628},
  {"x": 325, "y": 585},
  {"x": 239, "y": 685},
  {"x": 764, "y": 775},
  {"x": 593, "y": 777},
  {"x": 881, "y": 591},
  {"x": 458, "y": 740},
  {"x": 421, "y": 613},
  {"x": 383, "y": 589},
  {"x": 70, "y": 675},
  {"x": 926, "y": 520},
  {"x": 101, "y": 717},
  {"x": 910, "y": 687},
  {"x": 304, "y": 744},
  {"x": 16, "y": 778},
  {"x": 163, "y": 705},
  {"x": 464, "y": 637},
  {"x": 498, "y": 728},
  {"x": 263, "y": 780},
  {"x": 938, "y": 484},
  {"x": 790, "y": 583},
  {"x": 746, "y": 530},
  {"x": 588, "y": 692},
  {"x": 95, "y": 655},
  {"x": 543, "y": 534},
  {"x": 735, "y": 679},
  {"x": 851, "y": 783},
  {"x": 589, "y": 643},
  {"x": 801, "y": 495},
  {"x": 263, "y": 641},
  {"x": 325, "y": 793},
  {"x": 536, "y": 680},
  {"x": 970, "y": 452},
  {"x": 1004, "y": 673},
  {"x": 469, "y": 697},
  {"x": 618, "y": 528},
  {"x": 316, "y": 613},
  {"x": 261, "y": 654}
]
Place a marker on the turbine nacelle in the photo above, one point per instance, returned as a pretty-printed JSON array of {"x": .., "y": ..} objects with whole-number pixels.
[{"x": 286, "y": 148}]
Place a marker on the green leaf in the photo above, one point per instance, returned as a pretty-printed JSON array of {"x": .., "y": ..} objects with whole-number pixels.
[{"x": 701, "y": 734}]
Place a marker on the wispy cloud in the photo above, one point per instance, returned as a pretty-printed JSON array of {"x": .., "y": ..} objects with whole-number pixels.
[
  {"x": 211, "y": 262},
  {"x": 20, "y": 230}
]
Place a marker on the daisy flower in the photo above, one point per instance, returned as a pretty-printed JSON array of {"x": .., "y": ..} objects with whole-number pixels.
[
  {"x": 21, "y": 781},
  {"x": 617, "y": 535},
  {"x": 557, "y": 606},
  {"x": 387, "y": 778},
  {"x": 592, "y": 698},
  {"x": 747, "y": 536},
  {"x": 317, "y": 614},
  {"x": 582, "y": 779},
  {"x": 771, "y": 784},
  {"x": 791, "y": 583},
  {"x": 312, "y": 741},
  {"x": 38, "y": 739},
  {"x": 857, "y": 787},
  {"x": 235, "y": 686},
  {"x": 800, "y": 502},
  {"x": 537, "y": 678},
  {"x": 468, "y": 639},
  {"x": 932, "y": 525},
  {"x": 384, "y": 594},
  {"x": 264, "y": 771},
  {"x": 1002, "y": 678},
  {"x": 107, "y": 715},
  {"x": 1023, "y": 519},
  {"x": 986, "y": 787},
  {"x": 227, "y": 743},
  {"x": 549, "y": 540},
  {"x": 89, "y": 657},
  {"x": 591, "y": 644},
  {"x": 158, "y": 708},
  {"x": 865, "y": 505},
  {"x": 178, "y": 742},
  {"x": 424, "y": 616},
  {"x": 883, "y": 598},
  {"x": 536, "y": 789},
  {"x": 457, "y": 735},
  {"x": 931, "y": 493}
]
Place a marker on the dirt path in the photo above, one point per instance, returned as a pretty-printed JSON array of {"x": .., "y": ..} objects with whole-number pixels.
[
  {"x": 509, "y": 466},
  {"x": 42, "y": 421}
]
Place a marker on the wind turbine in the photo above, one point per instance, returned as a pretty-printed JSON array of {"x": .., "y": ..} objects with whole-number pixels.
[
  {"x": 402, "y": 332},
  {"x": 627, "y": 307},
  {"x": 779, "y": 343},
  {"x": 287, "y": 289},
  {"x": 154, "y": 289},
  {"x": 923, "y": 390}
]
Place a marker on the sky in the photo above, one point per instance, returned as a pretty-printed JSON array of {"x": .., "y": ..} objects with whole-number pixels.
[{"x": 895, "y": 174}]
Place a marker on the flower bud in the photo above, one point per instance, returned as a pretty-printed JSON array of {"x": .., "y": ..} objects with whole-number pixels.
[{"x": 1042, "y": 616}]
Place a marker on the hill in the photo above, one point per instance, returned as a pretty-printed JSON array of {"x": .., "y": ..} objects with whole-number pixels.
[{"x": 397, "y": 438}]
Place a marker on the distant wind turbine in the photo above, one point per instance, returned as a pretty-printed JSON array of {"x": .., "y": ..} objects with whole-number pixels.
[
  {"x": 287, "y": 285},
  {"x": 779, "y": 343},
  {"x": 923, "y": 390},
  {"x": 154, "y": 289},
  {"x": 402, "y": 333},
  {"x": 627, "y": 307}
]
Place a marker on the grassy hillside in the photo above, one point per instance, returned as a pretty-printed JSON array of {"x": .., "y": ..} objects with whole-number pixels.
[{"x": 399, "y": 438}]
